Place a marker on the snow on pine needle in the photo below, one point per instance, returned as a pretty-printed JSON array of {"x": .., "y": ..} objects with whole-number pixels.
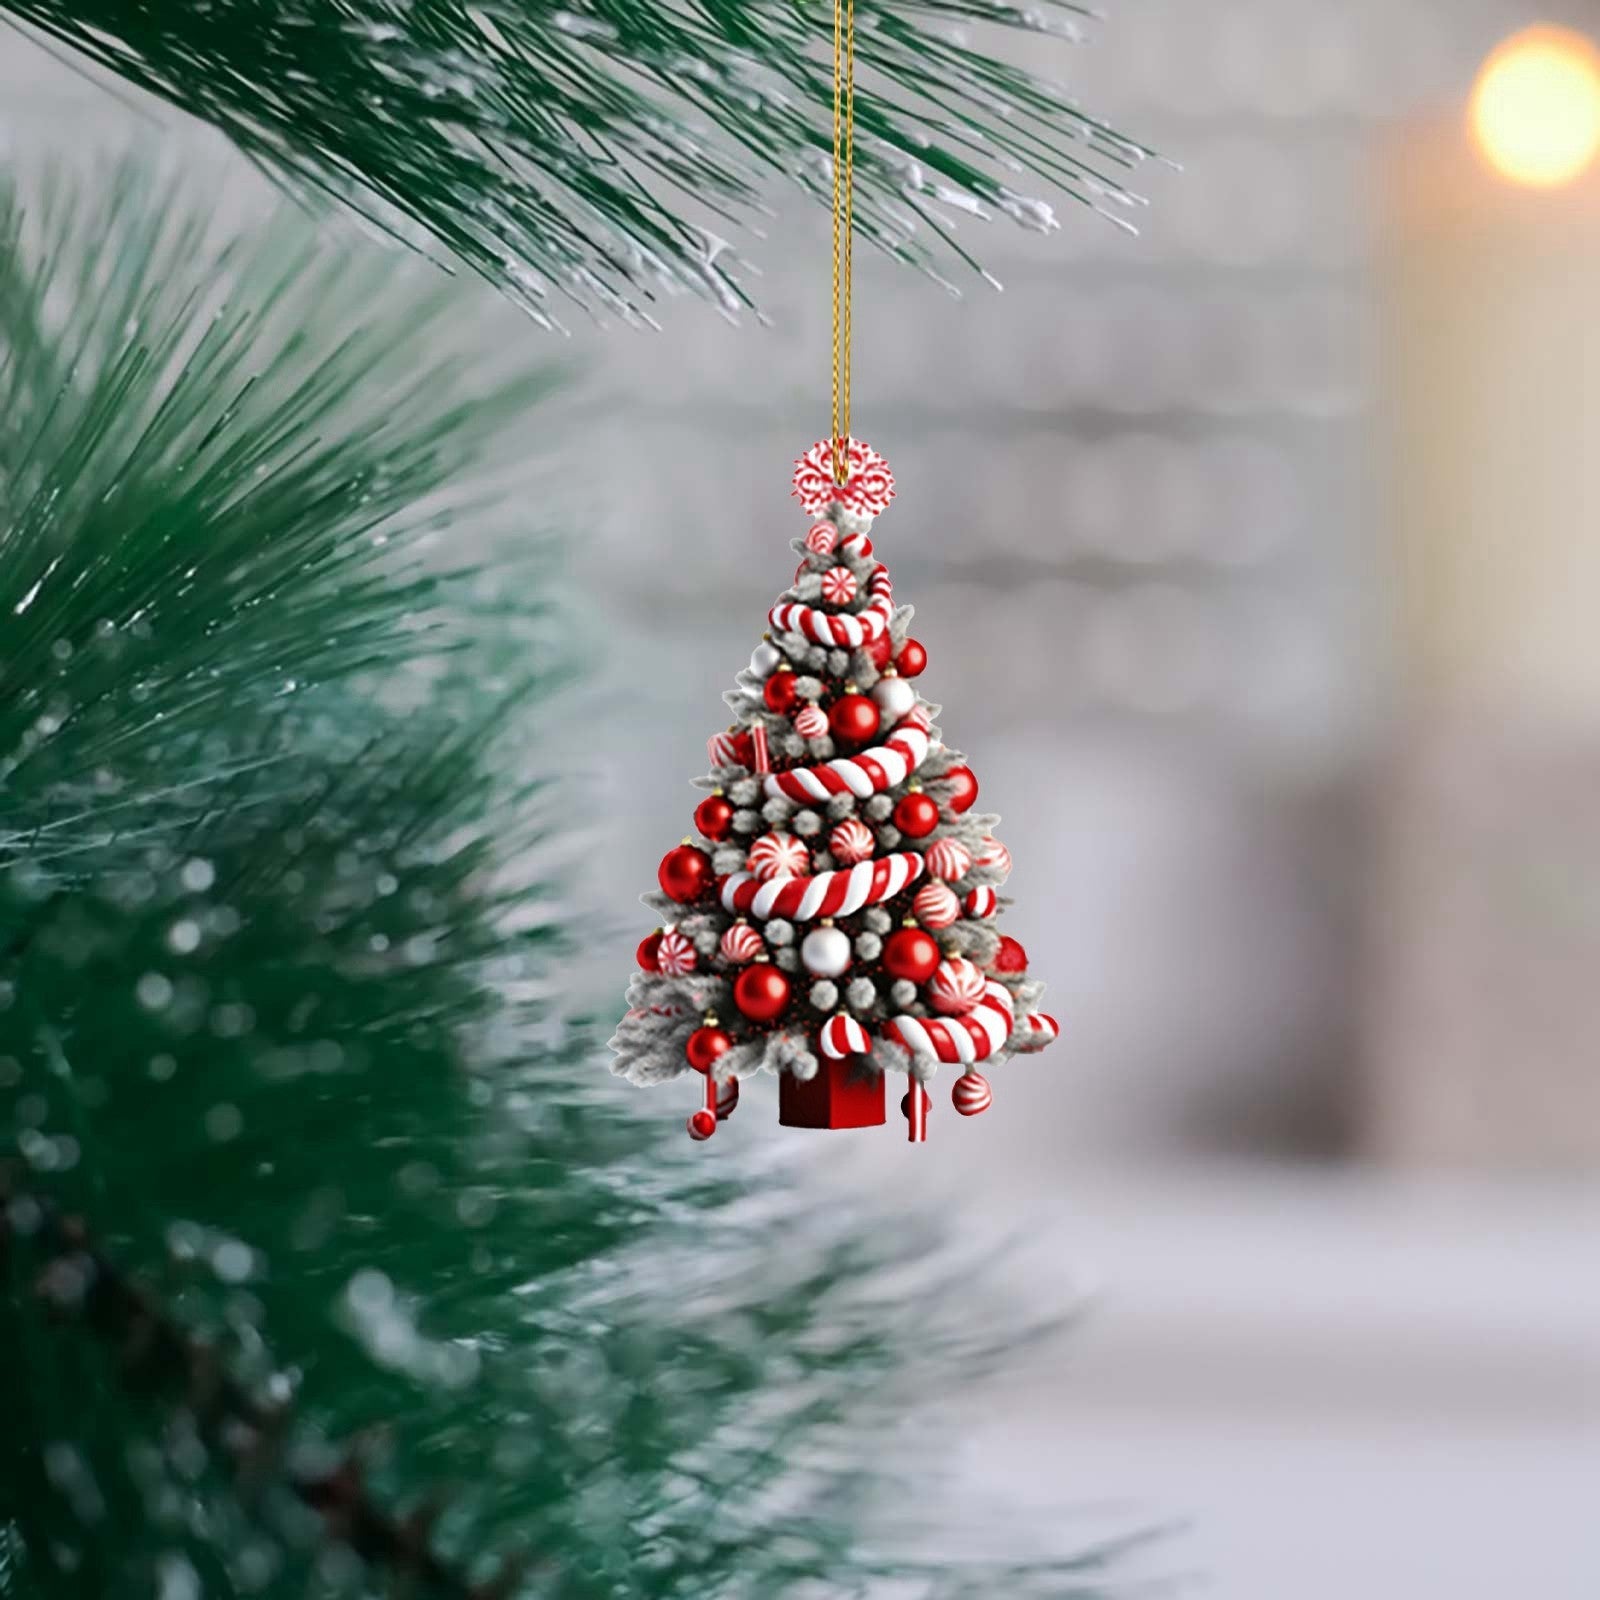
[{"x": 598, "y": 152}]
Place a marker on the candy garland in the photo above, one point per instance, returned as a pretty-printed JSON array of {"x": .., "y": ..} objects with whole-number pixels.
[
  {"x": 847, "y": 630},
  {"x": 973, "y": 1037},
  {"x": 872, "y": 771},
  {"x": 825, "y": 894}
]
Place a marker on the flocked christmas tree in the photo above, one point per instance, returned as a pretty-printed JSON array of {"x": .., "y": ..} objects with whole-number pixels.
[{"x": 832, "y": 919}]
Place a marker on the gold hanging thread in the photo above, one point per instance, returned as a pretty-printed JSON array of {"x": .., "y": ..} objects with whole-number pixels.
[{"x": 844, "y": 161}]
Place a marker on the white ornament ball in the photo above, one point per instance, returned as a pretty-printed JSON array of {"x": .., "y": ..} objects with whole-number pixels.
[
  {"x": 826, "y": 952},
  {"x": 947, "y": 858},
  {"x": 994, "y": 855},
  {"x": 936, "y": 906},
  {"x": 764, "y": 659},
  {"x": 811, "y": 722},
  {"x": 895, "y": 697},
  {"x": 675, "y": 954},
  {"x": 956, "y": 987}
]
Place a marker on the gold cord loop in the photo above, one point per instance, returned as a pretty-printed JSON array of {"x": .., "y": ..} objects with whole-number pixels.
[{"x": 844, "y": 161}]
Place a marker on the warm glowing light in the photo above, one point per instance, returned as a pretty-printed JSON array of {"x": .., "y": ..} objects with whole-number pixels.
[{"x": 1536, "y": 107}]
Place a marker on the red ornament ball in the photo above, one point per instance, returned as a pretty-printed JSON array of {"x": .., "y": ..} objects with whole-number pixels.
[
  {"x": 761, "y": 992},
  {"x": 910, "y": 954},
  {"x": 1010, "y": 957},
  {"x": 965, "y": 794},
  {"x": 704, "y": 1045},
  {"x": 780, "y": 692},
  {"x": 853, "y": 719},
  {"x": 685, "y": 874},
  {"x": 971, "y": 1095},
  {"x": 911, "y": 660},
  {"x": 645, "y": 955},
  {"x": 702, "y": 1125},
  {"x": 916, "y": 816},
  {"x": 905, "y": 1103},
  {"x": 714, "y": 817},
  {"x": 880, "y": 649}
]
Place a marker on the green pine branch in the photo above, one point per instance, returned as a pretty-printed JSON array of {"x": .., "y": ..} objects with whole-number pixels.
[
  {"x": 333, "y": 1254},
  {"x": 593, "y": 151}
]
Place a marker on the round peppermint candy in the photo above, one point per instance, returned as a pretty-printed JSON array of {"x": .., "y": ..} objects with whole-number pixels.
[
  {"x": 822, "y": 538},
  {"x": 994, "y": 855},
  {"x": 838, "y": 586},
  {"x": 948, "y": 859},
  {"x": 675, "y": 955},
  {"x": 936, "y": 906},
  {"x": 778, "y": 855},
  {"x": 956, "y": 987},
  {"x": 741, "y": 943},
  {"x": 851, "y": 842}
]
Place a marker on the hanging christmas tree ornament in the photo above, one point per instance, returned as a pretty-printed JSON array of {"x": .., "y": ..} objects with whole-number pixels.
[
  {"x": 705, "y": 1044},
  {"x": 714, "y": 816},
  {"x": 853, "y": 718},
  {"x": 936, "y": 906},
  {"x": 911, "y": 659},
  {"x": 893, "y": 696},
  {"x": 981, "y": 902},
  {"x": 965, "y": 794},
  {"x": 915, "y": 815},
  {"x": 685, "y": 873},
  {"x": 814, "y": 903},
  {"x": 825, "y": 951},
  {"x": 761, "y": 991},
  {"x": 741, "y": 944},
  {"x": 948, "y": 858},
  {"x": 971, "y": 1094},
  {"x": 780, "y": 692},
  {"x": 910, "y": 954}
]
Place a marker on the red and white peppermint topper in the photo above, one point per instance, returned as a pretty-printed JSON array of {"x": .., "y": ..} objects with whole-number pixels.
[{"x": 867, "y": 490}]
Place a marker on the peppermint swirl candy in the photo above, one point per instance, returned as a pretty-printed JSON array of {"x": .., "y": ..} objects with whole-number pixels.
[
  {"x": 838, "y": 586},
  {"x": 973, "y": 1037},
  {"x": 811, "y": 722},
  {"x": 956, "y": 987},
  {"x": 675, "y": 954},
  {"x": 948, "y": 859},
  {"x": 868, "y": 773},
  {"x": 822, "y": 539},
  {"x": 741, "y": 943},
  {"x": 994, "y": 856},
  {"x": 971, "y": 1094},
  {"x": 982, "y": 901},
  {"x": 869, "y": 485},
  {"x": 936, "y": 906},
  {"x": 778, "y": 855},
  {"x": 851, "y": 841},
  {"x": 827, "y": 894}
]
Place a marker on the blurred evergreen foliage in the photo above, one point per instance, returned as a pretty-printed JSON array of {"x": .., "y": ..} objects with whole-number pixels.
[
  {"x": 592, "y": 151},
  {"x": 331, "y": 1262}
]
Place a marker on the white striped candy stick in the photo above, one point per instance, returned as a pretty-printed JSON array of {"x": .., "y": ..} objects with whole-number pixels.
[
  {"x": 843, "y": 1036},
  {"x": 869, "y": 773},
  {"x": 824, "y": 894},
  {"x": 974, "y": 1037}
]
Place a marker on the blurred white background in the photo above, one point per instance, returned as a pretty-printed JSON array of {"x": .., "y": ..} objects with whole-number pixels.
[{"x": 1184, "y": 518}]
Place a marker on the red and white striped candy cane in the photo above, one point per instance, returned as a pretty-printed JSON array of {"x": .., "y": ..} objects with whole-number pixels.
[
  {"x": 871, "y": 772},
  {"x": 843, "y": 1036},
  {"x": 1036, "y": 1029},
  {"x": 848, "y": 630},
  {"x": 824, "y": 894},
  {"x": 974, "y": 1037}
]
